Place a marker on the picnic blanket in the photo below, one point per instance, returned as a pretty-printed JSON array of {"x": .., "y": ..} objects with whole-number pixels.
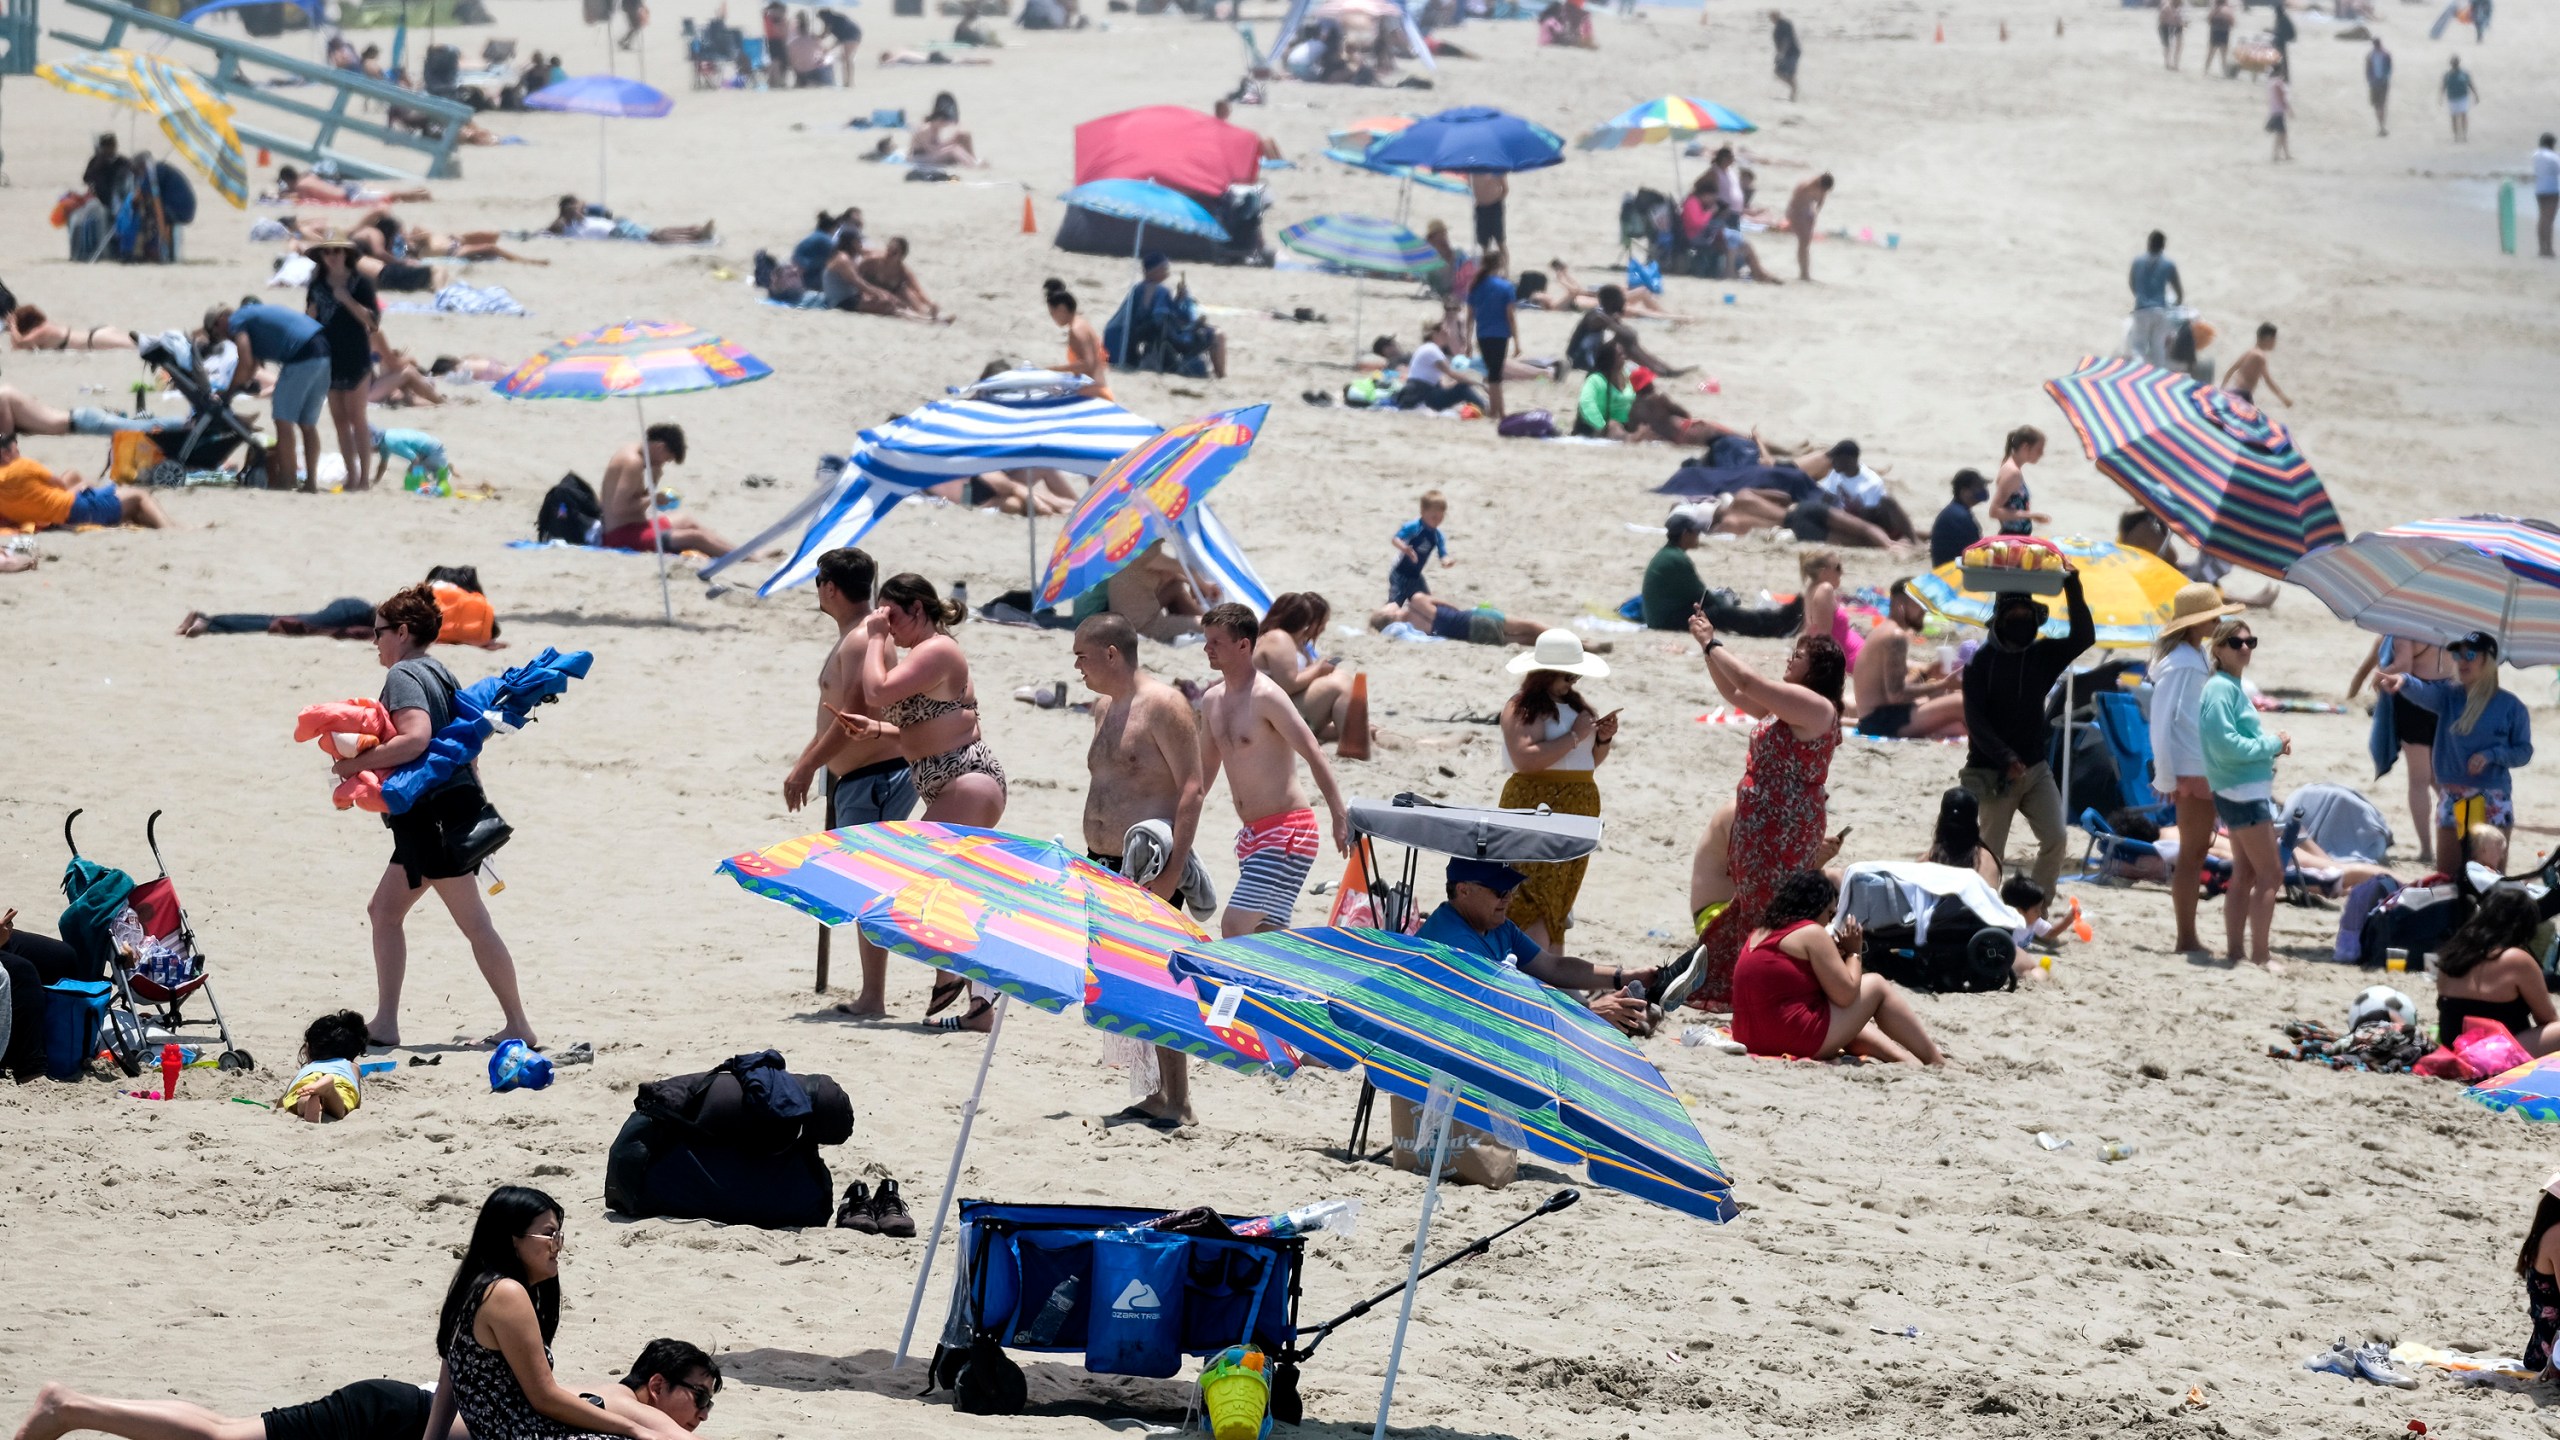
[{"x": 460, "y": 299}]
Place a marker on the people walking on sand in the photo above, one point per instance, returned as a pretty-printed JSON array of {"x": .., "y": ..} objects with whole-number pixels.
[
  {"x": 2377, "y": 85},
  {"x": 1782, "y": 35},
  {"x": 1144, "y": 764},
  {"x": 1249, "y": 730},
  {"x": 2546, "y": 190},
  {"x": 2280, "y": 114},
  {"x": 428, "y": 839},
  {"x": 1804, "y": 210},
  {"x": 2155, "y": 284},
  {"x": 2217, "y": 36},
  {"x": 1493, "y": 301},
  {"x": 2250, "y": 371},
  {"x": 1489, "y": 188},
  {"x": 2240, "y": 765},
  {"x": 2180, "y": 667},
  {"x": 2461, "y": 92},
  {"x": 1554, "y": 740},
  {"x": 2173, "y": 32},
  {"x": 2007, "y": 735},
  {"x": 868, "y": 780}
]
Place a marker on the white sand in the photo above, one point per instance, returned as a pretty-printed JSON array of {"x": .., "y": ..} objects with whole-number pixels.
[{"x": 212, "y": 1251}]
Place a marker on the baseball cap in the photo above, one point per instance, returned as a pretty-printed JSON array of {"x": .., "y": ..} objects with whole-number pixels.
[
  {"x": 1639, "y": 378},
  {"x": 1493, "y": 875}
]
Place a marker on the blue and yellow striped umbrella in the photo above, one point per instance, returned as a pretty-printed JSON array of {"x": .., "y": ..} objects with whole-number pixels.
[
  {"x": 193, "y": 116},
  {"x": 1672, "y": 117},
  {"x": 2214, "y": 467},
  {"x": 2439, "y": 580},
  {"x": 1522, "y": 1054},
  {"x": 1363, "y": 245}
]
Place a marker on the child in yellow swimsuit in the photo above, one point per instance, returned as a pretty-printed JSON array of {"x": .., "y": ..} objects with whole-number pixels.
[{"x": 325, "y": 1088}]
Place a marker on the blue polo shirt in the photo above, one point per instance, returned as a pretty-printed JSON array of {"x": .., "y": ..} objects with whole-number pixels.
[
  {"x": 278, "y": 334},
  {"x": 1504, "y": 944}
]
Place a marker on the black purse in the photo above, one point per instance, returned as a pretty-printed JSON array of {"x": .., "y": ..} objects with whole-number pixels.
[{"x": 473, "y": 833}]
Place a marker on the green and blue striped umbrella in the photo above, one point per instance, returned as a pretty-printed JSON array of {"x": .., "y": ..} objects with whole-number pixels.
[
  {"x": 1363, "y": 245},
  {"x": 1522, "y": 1054},
  {"x": 2212, "y": 465}
]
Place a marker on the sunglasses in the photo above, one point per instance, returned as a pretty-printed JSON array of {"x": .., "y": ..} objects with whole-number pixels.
[
  {"x": 701, "y": 1396},
  {"x": 2241, "y": 642}
]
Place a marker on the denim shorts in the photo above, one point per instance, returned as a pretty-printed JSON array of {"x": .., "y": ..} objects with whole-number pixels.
[
  {"x": 2241, "y": 814},
  {"x": 98, "y": 506},
  {"x": 874, "y": 793},
  {"x": 302, "y": 388}
]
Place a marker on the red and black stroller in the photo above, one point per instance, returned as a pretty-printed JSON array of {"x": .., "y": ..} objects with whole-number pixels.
[{"x": 139, "y": 938}]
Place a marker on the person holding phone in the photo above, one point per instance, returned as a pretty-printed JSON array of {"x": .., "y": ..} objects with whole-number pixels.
[
  {"x": 1554, "y": 739},
  {"x": 1801, "y": 989}
]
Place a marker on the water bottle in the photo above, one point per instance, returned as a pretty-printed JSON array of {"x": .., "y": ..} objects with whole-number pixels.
[
  {"x": 960, "y": 595},
  {"x": 1342, "y": 1217},
  {"x": 1046, "y": 1326}
]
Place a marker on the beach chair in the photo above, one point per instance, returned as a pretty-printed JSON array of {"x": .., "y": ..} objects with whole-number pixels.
[
  {"x": 2108, "y": 850},
  {"x": 2127, "y": 731},
  {"x": 140, "y": 935}
]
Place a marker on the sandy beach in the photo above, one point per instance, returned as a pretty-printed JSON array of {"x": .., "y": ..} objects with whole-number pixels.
[{"x": 216, "y": 1252}]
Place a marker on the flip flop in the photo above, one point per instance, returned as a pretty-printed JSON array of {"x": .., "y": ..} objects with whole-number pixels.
[
  {"x": 1134, "y": 1115},
  {"x": 944, "y": 992},
  {"x": 958, "y": 1023}
]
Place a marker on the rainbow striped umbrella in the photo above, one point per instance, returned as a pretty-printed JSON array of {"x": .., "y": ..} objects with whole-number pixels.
[
  {"x": 1672, "y": 117},
  {"x": 1523, "y": 1053},
  {"x": 630, "y": 360},
  {"x": 1140, "y": 498},
  {"x": 2531, "y": 1089},
  {"x": 2128, "y": 591},
  {"x": 2440, "y": 580},
  {"x": 2213, "y": 467}
]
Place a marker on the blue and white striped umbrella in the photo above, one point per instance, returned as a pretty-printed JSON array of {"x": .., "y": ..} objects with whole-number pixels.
[
  {"x": 1363, "y": 245},
  {"x": 1145, "y": 202}
]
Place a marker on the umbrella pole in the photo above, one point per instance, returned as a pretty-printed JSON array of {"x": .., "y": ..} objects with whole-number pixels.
[
  {"x": 603, "y": 195},
  {"x": 649, "y": 512},
  {"x": 1413, "y": 1273},
  {"x": 1031, "y": 513},
  {"x": 951, "y": 1180},
  {"x": 1359, "y": 300}
]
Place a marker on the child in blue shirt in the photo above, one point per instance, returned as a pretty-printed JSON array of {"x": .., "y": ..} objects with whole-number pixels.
[
  {"x": 1416, "y": 542},
  {"x": 429, "y": 467}
]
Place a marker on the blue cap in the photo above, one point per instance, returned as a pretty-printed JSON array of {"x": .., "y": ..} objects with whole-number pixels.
[{"x": 1493, "y": 875}]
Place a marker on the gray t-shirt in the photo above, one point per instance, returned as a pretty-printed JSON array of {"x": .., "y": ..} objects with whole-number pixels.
[
  {"x": 2152, "y": 276},
  {"x": 421, "y": 683}
]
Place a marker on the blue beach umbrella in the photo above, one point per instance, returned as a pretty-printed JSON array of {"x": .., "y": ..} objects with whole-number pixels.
[
  {"x": 607, "y": 97},
  {"x": 1473, "y": 139},
  {"x": 1144, "y": 203}
]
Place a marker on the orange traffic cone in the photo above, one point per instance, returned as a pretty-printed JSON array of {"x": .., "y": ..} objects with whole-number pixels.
[
  {"x": 1354, "y": 744},
  {"x": 1030, "y": 222},
  {"x": 1942, "y": 34}
]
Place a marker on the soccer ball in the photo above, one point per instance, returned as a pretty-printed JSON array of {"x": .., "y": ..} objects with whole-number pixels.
[{"x": 2379, "y": 1004}]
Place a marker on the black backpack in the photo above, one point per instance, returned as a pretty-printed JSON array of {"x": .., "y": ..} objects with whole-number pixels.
[
  {"x": 1962, "y": 954},
  {"x": 570, "y": 512}
]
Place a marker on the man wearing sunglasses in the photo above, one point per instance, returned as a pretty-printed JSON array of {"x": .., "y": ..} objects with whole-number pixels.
[{"x": 668, "y": 1394}]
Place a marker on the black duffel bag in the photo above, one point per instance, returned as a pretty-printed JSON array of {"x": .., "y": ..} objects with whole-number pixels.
[{"x": 737, "y": 1144}]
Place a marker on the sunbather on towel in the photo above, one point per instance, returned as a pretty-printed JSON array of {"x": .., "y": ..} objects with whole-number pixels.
[
  {"x": 29, "y": 329},
  {"x": 32, "y": 495},
  {"x": 2313, "y": 868},
  {"x": 631, "y": 480},
  {"x": 1554, "y": 288},
  {"x": 1478, "y": 624},
  {"x": 293, "y": 185},
  {"x": 575, "y": 221}
]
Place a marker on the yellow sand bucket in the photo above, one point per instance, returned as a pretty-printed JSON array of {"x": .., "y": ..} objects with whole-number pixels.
[{"x": 1237, "y": 1394}]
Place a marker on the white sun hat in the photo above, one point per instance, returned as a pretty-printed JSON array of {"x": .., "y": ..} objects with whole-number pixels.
[{"x": 1559, "y": 650}]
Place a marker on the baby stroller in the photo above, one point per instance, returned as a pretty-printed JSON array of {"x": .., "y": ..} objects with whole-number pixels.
[
  {"x": 206, "y": 438},
  {"x": 139, "y": 936}
]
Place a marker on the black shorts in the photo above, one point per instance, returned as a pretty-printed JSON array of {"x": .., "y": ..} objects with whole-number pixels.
[
  {"x": 1489, "y": 224},
  {"x": 366, "y": 1410},
  {"x": 402, "y": 275},
  {"x": 350, "y": 371},
  {"x": 1495, "y": 349},
  {"x": 1886, "y": 722},
  {"x": 1810, "y": 521},
  {"x": 422, "y": 838},
  {"x": 2414, "y": 724}
]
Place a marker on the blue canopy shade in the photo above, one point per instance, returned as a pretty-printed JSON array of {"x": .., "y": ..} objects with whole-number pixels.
[
  {"x": 1475, "y": 138},
  {"x": 602, "y": 95},
  {"x": 311, "y": 8},
  {"x": 1145, "y": 202}
]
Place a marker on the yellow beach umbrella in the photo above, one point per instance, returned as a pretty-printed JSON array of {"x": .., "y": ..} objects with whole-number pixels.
[
  {"x": 2128, "y": 590},
  {"x": 191, "y": 113}
]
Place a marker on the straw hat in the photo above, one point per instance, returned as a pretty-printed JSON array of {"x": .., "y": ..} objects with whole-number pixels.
[
  {"x": 317, "y": 246},
  {"x": 2197, "y": 604},
  {"x": 1561, "y": 651}
]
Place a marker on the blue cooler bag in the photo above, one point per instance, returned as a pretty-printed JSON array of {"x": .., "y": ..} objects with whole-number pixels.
[
  {"x": 74, "y": 1010},
  {"x": 1134, "y": 1326}
]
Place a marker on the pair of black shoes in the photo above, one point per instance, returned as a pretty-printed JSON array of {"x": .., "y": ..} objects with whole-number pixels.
[{"x": 875, "y": 1212}]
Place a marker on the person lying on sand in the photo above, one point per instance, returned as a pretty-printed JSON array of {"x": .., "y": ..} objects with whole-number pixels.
[
  {"x": 574, "y": 221},
  {"x": 292, "y": 184},
  {"x": 2318, "y": 871},
  {"x": 1655, "y": 417},
  {"x": 482, "y": 369},
  {"x": 1476, "y": 624},
  {"x": 1554, "y": 288},
  {"x": 1046, "y": 492},
  {"x": 29, "y": 329},
  {"x": 384, "y": 237},
  {"x": 468, "y": 618},
  {"x": 32, "y": 495},
  {"x": 1607, "y": 323},
  {"x": 632, "y": 480}
]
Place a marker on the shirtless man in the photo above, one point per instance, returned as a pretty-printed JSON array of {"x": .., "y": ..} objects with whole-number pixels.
[
  {"x": 1896, "y": 699},
  {"x": 1489, "y": 188},
  {"x": 887, "y": 274},
  {"x": 1804, "y": 208},
  {"x": 2250, "y": 371},
  {"x": 1253, "y": 731},
  {"x": 867, "y": 779},
  {"x": 629, "y": 483},
  {"x": 1145, "y": 764}
]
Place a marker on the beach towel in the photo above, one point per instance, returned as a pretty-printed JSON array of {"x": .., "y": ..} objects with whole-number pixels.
[{"x": 460, "y": 299}]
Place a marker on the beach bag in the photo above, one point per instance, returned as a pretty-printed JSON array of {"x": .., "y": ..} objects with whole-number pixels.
[
  {"x": 74, "y": 1012},
  {"x": 2353, "y": 913},
  {"x": 1961, "y": 956},
  {"x": 2415, "y": 918},
  {"x": 2488, "y": 1048},
  {"x": 570, "y": 512},
  {"x": 1527, "y": 425},
  {"x": 1135, "y": 1324}
]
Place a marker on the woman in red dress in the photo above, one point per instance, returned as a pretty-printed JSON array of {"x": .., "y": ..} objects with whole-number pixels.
[
  {"x": 1798, "y": 992},
  {"x": 1774, "y": 825}
]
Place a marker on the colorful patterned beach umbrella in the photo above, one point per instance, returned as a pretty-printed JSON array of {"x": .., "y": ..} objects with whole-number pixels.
[
  {"x": 2128, "y": 591},
  {"x": 2439, "y": 580},
  {"x": 1524, "y": 1054},
  {"x": 1143, "y": 496},
  {"x": 2531, "y": 1089},
  {"x": 1672, "y": 117},
  {"x": 633, "y": 359},
  {"x": 191, "y": 113},
  {"x": 2213, "y": 467},
  {"x": 1363, "y": 245}
]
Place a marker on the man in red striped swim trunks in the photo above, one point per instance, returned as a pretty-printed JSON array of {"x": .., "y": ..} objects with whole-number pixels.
[{"x": 1252, "y": 731}]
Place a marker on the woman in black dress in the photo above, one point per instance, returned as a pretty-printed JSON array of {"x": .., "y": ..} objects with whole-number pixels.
[{"x": 342, "y": 300}]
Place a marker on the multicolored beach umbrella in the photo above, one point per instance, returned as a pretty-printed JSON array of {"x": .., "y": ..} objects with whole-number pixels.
[
  {"x": 633, "y": 359},
  {"x": 2439, "y": 580},
  {"x": 1363, "y": 245},
  {"x": 1143, "y": 497},
  {"x": 2215, "y": 468},
  {"x": 191, "y": 113},
  {"x": 1672, "y": 117},
  {"x": 2531, "y": 1089},
  {"x": 1524, "y": 1054},
  {"x": 2128, "y": 591}
]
